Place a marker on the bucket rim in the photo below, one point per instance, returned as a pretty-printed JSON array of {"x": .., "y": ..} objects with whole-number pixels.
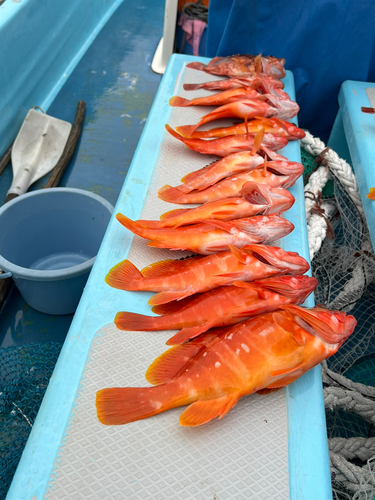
[{"x": 25, "y": 273}]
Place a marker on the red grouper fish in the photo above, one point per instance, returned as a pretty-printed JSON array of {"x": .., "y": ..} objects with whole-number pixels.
[
  {"x": 223, "y": 306},
  {"x": 225, "y": 97},
  {"x": 243, "y": 65},
  {"x": 212, "y": 372},
  {"x": 177, "y": 279},
  {"x": 245, "y": 161},
  {"x": 232, "y": 186},
  {"x": 247, "y": 109},
  {"x": 263, "y": 83},
  {"x": 214, "y": 235},
  {"x": 224, "y": 146},
  {"x": 256, "y": 199},
  {"x": 272, "y": 126}
]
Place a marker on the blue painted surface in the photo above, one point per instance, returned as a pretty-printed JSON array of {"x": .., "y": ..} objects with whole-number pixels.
[
  {"x": 359, "y": 133},
  {"x": 308, "y": 453},
  {"x": 113, "y": 78},
  {"x": 41, "y": 43}
]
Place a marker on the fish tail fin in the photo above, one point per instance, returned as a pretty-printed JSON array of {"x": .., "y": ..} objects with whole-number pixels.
[
  {"x": 121, "y": 405},
  {"x": 178, "y": 102},
  {"x": 138, "y": 322},
  {"x": 133, "y": 226},
  {"x": 186, "y": 131},
  {"x": 197, "y": 65},
  {"x": 371, "y": 194},
  {"x": 175, "y": 134},
  {"x": 170, "y": 194},
  {"x": 192, "y": 86},
  {"x": 124, "y": 276}
]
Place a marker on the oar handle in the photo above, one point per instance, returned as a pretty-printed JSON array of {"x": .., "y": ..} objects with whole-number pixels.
[
  {"x": 5, "y": 159},
  {"x": 10, "y": 197},
  {"x": 70, "y": 147}
]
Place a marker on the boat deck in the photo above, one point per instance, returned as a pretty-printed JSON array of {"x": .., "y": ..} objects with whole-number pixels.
[{"x": 115, "y": 80}]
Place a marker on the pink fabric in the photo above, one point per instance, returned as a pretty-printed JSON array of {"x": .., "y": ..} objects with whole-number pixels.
[{"x": 193, "y": 29}]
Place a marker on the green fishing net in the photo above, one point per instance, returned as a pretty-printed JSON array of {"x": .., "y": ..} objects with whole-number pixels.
[{"x": 24, "y": 375}]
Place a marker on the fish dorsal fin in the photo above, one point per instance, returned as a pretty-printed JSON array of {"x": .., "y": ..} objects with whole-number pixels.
[
  {"x": 167, "y": 267},
  {"x": 170, "y": 363},
  {"x": 257, "y": 141},
  {"x": 290, "y": 326},
  {"x": 201, "y": 412}
]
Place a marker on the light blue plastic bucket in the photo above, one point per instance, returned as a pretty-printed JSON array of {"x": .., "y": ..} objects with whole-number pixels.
[{"x": 48, "y": 242}]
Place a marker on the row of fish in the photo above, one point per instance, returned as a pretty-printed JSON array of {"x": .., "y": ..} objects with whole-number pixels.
[{"x": 236, "y": 305}]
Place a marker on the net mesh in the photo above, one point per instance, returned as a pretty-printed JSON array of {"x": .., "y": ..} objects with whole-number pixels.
[
  {"x": 24, "y": 375},
  {"x": 345, "y": 268}
]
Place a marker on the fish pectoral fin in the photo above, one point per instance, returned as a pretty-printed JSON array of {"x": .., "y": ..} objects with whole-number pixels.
[
  {"x": 187, "y": 333},
  {"x": 285, "y": 324},
  {"x": 220, "y": 224},
  {"x": 201, "y": 412},
  {"x": 164, "y": 297},
  {"x": 291, "y": 374},
  {"x": 277, "y": 373}
]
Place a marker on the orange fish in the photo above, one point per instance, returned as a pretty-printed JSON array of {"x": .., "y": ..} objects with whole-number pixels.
[
  {"x": 243, "y": 65},
  {"x": 225, "y": 97},
  {"x": 219, "y": 169},
  {"x": 272, "y": 126},
  {"x": 227, "y": 188},
  {"x": 214, "y": 235},
  {"x": 244, "y": 161},
  {"x": 256, "y": 199},
  {"x": 177, "y": 279},
  {"x": 225, "y": 146},
  {"x": 246, "y": 108},
  {"x": 213, "y": 371},
  {"x": 371, "y": 194},
  {"x": 223, "y": 306},
  {"x": 261, "y": 83}
]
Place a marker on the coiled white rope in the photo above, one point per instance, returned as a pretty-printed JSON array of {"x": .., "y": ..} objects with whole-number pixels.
[{"x": 340, "y": 392}]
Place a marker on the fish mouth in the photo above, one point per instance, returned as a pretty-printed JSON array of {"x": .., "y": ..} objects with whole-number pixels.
[{"x": 333, "y": 327}]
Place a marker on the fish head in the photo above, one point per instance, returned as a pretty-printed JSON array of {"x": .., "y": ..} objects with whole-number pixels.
[
  {"x": 286, "y": 262},
  {"x": 292, "y": 169},
  {"x": 331, "y": 327},
  {"x": 278, "y": 199},
  {"x": 297, "y": 288}
]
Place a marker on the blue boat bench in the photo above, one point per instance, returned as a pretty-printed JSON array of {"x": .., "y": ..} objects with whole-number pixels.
[{"x": 353, "y": 139}]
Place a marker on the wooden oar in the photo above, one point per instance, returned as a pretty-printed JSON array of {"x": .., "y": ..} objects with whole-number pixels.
[{"x": 53, "y": 181}]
